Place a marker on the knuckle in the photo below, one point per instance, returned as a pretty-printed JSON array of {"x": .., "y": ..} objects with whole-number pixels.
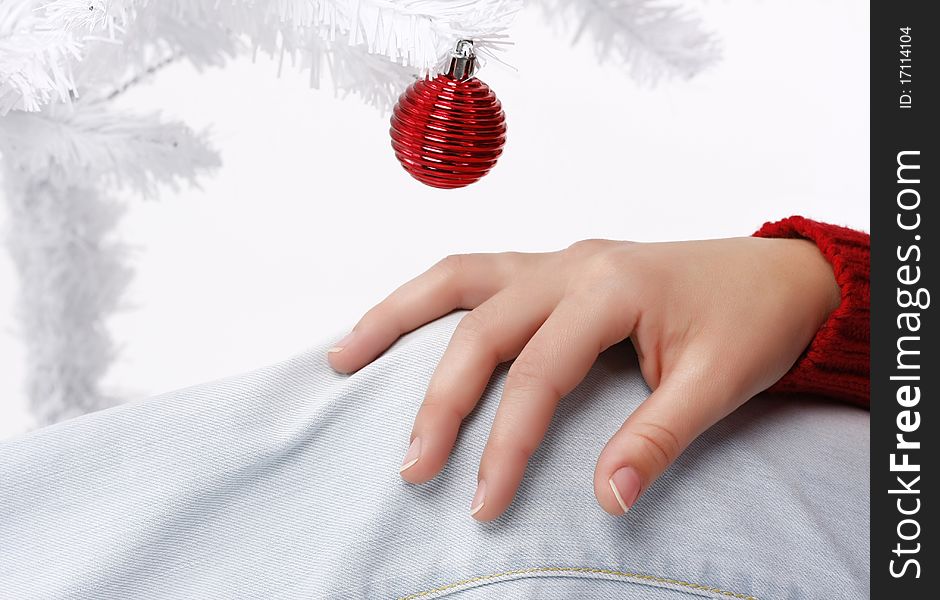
[
  {"x": 474, "y": 330},
  {"x": 589, "y": 246},
  {"x": 659, "y": 442},
  {"x": 451, "y": 265},
  {"x": 626, "y": 268},
  {"x": 512, "y": 257},
  {"x": 528, "y": 375},
  {"x": 382, "y": 316},
  {"x": 603, "y": 266},
  {"x": 506, "y": 450},
  {"x": 435, "y": 410}
]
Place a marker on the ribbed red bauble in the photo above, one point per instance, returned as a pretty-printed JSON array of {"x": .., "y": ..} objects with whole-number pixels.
[{"x": 448, "y": 131}]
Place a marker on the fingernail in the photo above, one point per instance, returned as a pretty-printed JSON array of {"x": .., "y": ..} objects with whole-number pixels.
[
  {"x": 342, "y": 343},
  {"x": 625, "y": 483},
  {"x": 478, "y": 498},
  {"x": 412, "y": 456}
]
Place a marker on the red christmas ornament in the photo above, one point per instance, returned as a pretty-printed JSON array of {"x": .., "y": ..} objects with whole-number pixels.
[{"x": 447, "y": 132}]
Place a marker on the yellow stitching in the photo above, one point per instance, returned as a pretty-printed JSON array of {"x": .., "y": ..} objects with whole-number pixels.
[{"x": 694, "y": 586}]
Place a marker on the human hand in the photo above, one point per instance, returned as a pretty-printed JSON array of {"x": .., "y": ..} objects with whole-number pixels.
[{"x": 713, "y": 323}]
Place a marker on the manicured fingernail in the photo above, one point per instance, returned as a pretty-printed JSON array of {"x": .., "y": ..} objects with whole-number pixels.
[
  {"x": 479, "y": 498},
  {"x": 625, "y": 483},
  {"x": 412, "y": 456},
  {"x": 342, "y": 343}
]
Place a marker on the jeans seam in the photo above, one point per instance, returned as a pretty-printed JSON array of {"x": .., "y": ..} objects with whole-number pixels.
[{"x": 586, "y": 572}]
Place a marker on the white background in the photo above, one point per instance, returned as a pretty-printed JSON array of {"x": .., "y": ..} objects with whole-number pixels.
[{"x": 311, "y": 220}]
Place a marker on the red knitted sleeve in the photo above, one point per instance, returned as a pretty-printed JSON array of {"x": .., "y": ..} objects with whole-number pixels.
[{"x": 836, "y": 363}]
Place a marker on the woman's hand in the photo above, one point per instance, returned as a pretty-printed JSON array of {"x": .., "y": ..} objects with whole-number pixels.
[{"x": 713, "y": 323}]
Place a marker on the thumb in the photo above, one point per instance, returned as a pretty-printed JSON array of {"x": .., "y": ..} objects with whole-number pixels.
[{"x": 654, "y": 436}]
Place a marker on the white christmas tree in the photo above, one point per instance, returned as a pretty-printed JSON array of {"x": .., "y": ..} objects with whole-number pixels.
[{"x": 66, "y": 149}]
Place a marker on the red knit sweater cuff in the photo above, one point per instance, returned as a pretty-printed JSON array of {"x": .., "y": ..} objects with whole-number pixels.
[{"x": 836, "y": 363}]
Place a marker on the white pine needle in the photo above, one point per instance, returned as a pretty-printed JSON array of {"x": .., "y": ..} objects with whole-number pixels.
[{"x": 652, "y": 38}]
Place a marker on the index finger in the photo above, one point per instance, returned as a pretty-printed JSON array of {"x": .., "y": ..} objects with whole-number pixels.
[{"x": 458, "y": 281}]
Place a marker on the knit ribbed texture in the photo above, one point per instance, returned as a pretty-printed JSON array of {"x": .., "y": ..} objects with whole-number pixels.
[{"x": 836, "y": 363}]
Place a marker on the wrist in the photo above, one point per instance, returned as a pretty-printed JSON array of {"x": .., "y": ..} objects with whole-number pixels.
[
  {"x": 807, "y": 271},
  {"x": 836, "y": 362},
  {"x": 823, "y": 275}
]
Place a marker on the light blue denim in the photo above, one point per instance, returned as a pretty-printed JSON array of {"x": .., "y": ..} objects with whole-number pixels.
[{"x": 283, "y": 483}]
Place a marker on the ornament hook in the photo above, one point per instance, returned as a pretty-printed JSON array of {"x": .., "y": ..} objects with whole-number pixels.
[{"x": 462, "y": 61}]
